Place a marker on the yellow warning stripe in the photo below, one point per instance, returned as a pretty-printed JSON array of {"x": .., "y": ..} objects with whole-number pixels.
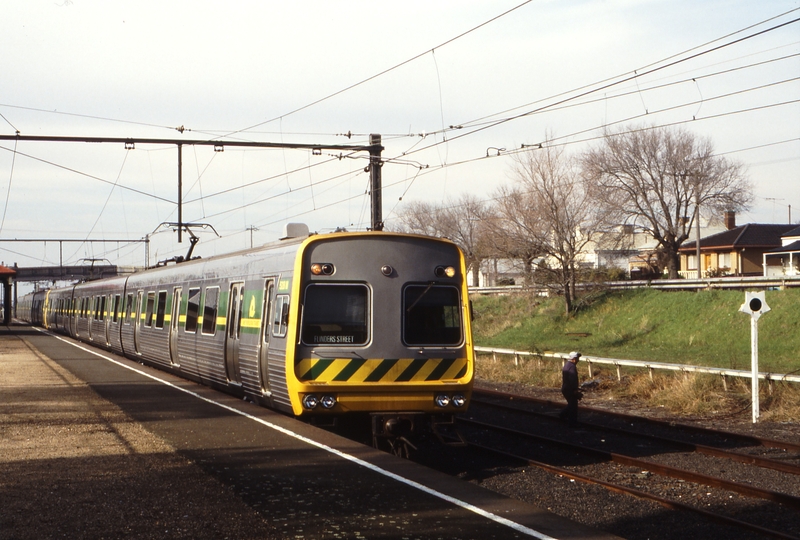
[{"x": 382, "y": 370}]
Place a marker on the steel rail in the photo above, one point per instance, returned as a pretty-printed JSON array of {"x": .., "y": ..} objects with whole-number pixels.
[
  {"x": 754, "y": 441},
  {"x": 663, "y": 470},
  {"x": 757, "y": 461},
  {"x": 667, "y": 503}
]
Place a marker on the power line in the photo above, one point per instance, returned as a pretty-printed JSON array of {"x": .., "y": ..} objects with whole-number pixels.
[
  {"x": 180, "y": 129},
  {"x": 80, "y": 173},
  {"x": 384, "y": 72},
  {"x": 592, "y": 89}
]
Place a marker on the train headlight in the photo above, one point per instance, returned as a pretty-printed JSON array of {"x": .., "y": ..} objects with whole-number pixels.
[
  {"x": 444, "y": 271},
  {"x": 459, "y": 400},
  {"x": 327, "y": 402},
  {"x": 442, "y": 400},
  {"x": 310, "y": 401},
  {"x": 322, "y": 269}
]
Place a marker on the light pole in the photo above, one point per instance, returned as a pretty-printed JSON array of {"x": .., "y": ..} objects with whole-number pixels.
[
  {"x": 697, "y": 195},
  {"x": 754, "y": 305}
]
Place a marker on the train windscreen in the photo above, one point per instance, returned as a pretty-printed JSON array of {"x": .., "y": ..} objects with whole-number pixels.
[
  {"x": 335, "y": 314},
  {"x": 431, "y": 316}
]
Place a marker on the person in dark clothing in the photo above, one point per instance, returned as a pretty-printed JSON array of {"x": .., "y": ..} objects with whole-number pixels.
[{"x": 570, "y": 389}]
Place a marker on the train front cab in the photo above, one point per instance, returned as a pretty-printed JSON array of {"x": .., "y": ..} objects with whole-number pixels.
[{"x": 383, "y": 327}]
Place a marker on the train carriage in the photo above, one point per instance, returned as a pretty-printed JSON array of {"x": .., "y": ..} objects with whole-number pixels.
[
  {"x": 319, "y": 325},
  {"x": 95, "y": 315}
]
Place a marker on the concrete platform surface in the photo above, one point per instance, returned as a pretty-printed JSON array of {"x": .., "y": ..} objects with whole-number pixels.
[{"x": 93, "y": 445}]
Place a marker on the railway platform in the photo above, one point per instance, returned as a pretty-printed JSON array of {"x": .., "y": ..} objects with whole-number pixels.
[{"x": 93, "y": 445}]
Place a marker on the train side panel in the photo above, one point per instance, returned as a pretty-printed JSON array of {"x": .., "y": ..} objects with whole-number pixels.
[
  {"x": 96, "y": 316},
  {"x": 208, "y": 320}
]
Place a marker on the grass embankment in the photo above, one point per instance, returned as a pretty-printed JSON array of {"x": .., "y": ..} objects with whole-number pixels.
[{"x": 700, "y": 328}]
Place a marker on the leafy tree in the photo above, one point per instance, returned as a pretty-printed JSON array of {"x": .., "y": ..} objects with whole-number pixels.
[
  {"x": 549, "y": 214},
  {"x": 458, "y": 220},
  {"x": 659, "y": 179}
]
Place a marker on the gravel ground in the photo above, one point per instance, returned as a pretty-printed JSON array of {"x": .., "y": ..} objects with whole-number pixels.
[
  {"x": 739, "y": 422},
  {"x": 638, "y": 519}
]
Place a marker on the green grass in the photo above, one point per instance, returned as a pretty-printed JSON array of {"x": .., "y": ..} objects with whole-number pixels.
[{"x": 701, "y": 328}]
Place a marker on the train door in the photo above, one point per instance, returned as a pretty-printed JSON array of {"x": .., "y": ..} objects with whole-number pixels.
[
  {"x": 263, "y": 349},
  {"x": 234, "y": 332},
  {"x": 72, "y": 311},
  {"x": 45, "y": 307},
  {"x": 93, "y": 306},
  {"x": 137, "y": 321},
  {"x": 173, "y": 326},
  {"x": 107, "y": 303}
]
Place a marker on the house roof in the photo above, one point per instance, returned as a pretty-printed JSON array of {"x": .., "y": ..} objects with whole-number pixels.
[
  {"x": 5, "y": 271},
  {"x": 793, "y": 232},
  {"x": 793, "y": 247},
  {"x": 752, "y": 235}
]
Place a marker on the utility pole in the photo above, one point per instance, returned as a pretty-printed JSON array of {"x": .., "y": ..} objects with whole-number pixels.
[
  {"x": 697, "y": 194},
  {"x": 251, "y": 228},
  {"x": 375, "y": 181},
  {"x": 374, "y": 150},
  {"x": 180, "y": 193}
]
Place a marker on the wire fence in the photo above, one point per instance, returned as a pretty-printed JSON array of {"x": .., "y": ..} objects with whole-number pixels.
[
  {"x": 618, "y": 363},
  {"x": 738, "y": 283}
]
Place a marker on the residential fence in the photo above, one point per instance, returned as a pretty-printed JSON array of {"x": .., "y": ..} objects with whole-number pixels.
[{"x": 640, "y": 364}]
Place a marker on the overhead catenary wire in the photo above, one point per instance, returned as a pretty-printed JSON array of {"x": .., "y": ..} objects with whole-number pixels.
[
  {"x": 608, "y": 124},
  {"x": 8, "y": 190},
  {"x": 384, "y": 72},
  {"x": 87, "y": 175},
  {"x": 105, "y": 204},
  {"x": 604, "y": 85}
]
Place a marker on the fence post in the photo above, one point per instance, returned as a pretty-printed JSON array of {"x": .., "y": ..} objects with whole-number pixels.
[
  {"x": 516, "y": 358},
  {"x": 589, "y": 363},
  {"x": 725, "y": 382},
  {"x": 619, "y": 373}
]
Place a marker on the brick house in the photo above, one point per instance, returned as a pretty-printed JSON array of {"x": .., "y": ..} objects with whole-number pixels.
[
  {"x": 737, "y": 251},
  {"x": 784, "y": 260}
]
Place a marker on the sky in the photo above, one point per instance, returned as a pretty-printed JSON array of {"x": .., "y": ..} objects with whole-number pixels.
[{"x": 454, "y": 88}]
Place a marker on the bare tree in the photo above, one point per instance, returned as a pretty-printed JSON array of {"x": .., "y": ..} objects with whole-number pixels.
[
  {"x": 550, "y": 214},
  {"x": 459, "y": 220},
  {"x": 659, "y": 180}
]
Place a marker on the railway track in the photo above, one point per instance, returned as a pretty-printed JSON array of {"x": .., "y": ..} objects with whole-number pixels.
[{"x": 744, "y": 486}]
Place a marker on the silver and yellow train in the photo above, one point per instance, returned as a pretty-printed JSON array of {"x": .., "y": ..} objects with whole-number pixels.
[{"x": 315, "y": 325}]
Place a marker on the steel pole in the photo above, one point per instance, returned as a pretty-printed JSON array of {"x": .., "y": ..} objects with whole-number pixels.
[
  {"x": 375, "y": 181},
  {"x": 754, "y": 362},
  {"x": 180, "y": 193},
  {"x": 697, "y": 193}
]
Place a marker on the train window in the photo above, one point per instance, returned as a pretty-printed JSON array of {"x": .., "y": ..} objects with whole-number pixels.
[
  {"x": 96, "y": 309},
  {"x": 129, "y": 309},
  {"x": 192, "y": 310},
  {"x": 161, "y": 307},
  {"x": 102, "y": 314},
  {"x": 280, "y": 318},
  {"x": 431, "y": 315},
  {"x": 336, "y": 315},
  {"x": 150, "y": 307},
  {"x": 116, "y": 308},
  {"x": 210, "y": 310}
]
